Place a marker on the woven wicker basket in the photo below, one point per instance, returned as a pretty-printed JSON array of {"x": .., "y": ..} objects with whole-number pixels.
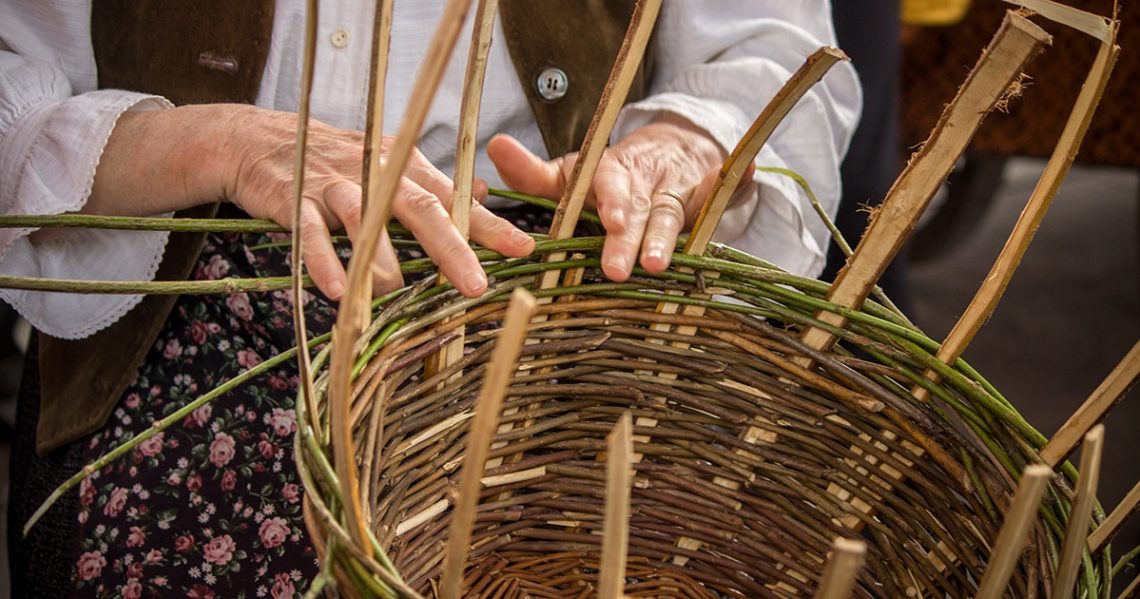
[
  {"x": 750, "y": 464},
  {"x": 770, "y": 416}
]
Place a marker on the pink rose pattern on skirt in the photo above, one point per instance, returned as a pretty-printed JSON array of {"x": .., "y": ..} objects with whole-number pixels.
[{"x": 210, "y": 508}]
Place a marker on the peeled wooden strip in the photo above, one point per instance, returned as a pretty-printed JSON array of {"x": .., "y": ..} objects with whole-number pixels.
[
  {"x": 503, "y": 364},
  {"x": 1011, "y": 540},
  {"x": 598, "y": 135},
  {"x": 1106, "y": 395},
  {"x": 348, "y": 326},
  {"x": 1015, "y": 44},
  {"x": 1076, "y": 533},
  {"x": 611, "y": 575},
  {"x": 847, "y": 557}
]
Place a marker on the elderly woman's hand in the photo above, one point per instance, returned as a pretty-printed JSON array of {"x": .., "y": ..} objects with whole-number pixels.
[
  {"x": 633, "y": 190},
  {"x": 169, "y": 160}
]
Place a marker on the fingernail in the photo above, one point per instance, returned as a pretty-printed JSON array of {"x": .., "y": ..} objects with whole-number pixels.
[
  {"x": 474, "y": 281},
  {"x": 519, "y": 237},
  {"x": 336, "y": 289},
  {"x": 655, "y": 252}
]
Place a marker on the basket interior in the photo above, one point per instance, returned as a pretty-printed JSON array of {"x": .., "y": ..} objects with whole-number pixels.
[{"x": 748, "y": 465}]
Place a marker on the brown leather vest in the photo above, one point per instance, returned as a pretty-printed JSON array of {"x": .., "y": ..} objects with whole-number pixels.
[{"x": 202, "y": 51}]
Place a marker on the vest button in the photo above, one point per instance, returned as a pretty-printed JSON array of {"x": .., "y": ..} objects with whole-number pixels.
[
  {"x": 339, "y": 38},
  {"x": 552, "y": 83}
]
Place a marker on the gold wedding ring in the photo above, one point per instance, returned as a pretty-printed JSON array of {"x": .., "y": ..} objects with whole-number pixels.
[{"x": 665, "y": 191}]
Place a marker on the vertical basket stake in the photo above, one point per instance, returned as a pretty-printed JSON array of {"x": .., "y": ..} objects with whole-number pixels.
[
  {"x": 995, "y": 283},
  {"x": 601, "y": 125},
  {"x": 464, "y": 178},
  {"x": 847, "y": 557},
  {"x": 615, "y": 540},
  {"x": 1113, "y": 523},
  {"x": 1016, "y": 42},
  {"x": 1011, "y": 539},
  {"x": 304, "y": 360},
  {"x": 1107, "y": 394},
  {"x": 504, "y": 360},
  {"x": 597, "y": 136},
  {"x": 814, "y": 68},
  {"x": 1077, "y": 530},
  {"x": 374, "y": 126},
  {"x": 348, "y": 325}
]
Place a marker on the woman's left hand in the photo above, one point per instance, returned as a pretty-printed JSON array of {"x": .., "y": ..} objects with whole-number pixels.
[{"x": 630, "y": 190}]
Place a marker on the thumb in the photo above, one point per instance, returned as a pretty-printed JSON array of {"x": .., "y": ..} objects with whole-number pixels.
[{"x": 522, "y": 171}]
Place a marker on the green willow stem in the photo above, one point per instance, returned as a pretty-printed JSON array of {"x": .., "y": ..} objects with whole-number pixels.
[
  {"x": 324, "y": 577},
  {"x": 163, "y": 424},
  {"x": 224, "y": 286},
  {"x": 329, "y": 482},
  {"x": 836, "y": 235},
  {"x": 152, "y": 223},
  {"x": 143, "y": 223},
  {"x": 1125, "y": 560}
]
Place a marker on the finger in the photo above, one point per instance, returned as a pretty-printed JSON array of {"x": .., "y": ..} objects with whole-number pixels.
[
  {"x": 479, "y": 190},
  {"x": 424, "y": 174},
  {"x": 423, "y": 214},
  {"x": 623, "y": 204},
  {"x": 386, "y": 275},
  {"x": 320, "y": 256},
  {"x": 494, "y": 232},
  {"x": 342, "y": 197},
  {"x": 523, "y": 171},
  {"x": 666, "y": 220}
]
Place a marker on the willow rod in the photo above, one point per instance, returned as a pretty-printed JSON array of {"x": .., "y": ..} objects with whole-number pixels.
[
  {"x": 348, "y": 326},
  {"x": 601, "y": 125},
  {"x": 1015, "y": 44},
  {"x": 1115, "y": 520},
  {"x": 161, "y": 425},
  {"x": 464, "y": 178},
  {"x": 615, "y": 535},
  {"x": 993, "y": 286},
  {"x": 1110, "y": 391},
  {"x": 374, "y": 124},
  {"x": 1012, "y": 537},
  {"x": 142, "y": 223},
  {"x": 296, "y": 280},
  {"x": 504, "y": 361},
  {"x": 743, "y": 155},
  {"x": 1080, "y": 515}
]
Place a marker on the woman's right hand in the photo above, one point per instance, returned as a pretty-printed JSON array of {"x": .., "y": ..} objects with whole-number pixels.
[{"x": 169, "y": 160}]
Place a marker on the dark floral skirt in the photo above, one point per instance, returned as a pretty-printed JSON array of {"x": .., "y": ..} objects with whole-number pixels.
[{"x": 212, "y": 506}]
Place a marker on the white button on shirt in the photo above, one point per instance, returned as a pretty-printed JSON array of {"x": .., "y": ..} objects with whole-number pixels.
[
  {"x": 718, "y": 63},
  {"x": 339, "y": 38}
]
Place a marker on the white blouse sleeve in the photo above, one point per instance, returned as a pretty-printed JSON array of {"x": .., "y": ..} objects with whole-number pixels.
[
  {"x": 50, "y": 145},
  {"x": 718, "y": 63}
]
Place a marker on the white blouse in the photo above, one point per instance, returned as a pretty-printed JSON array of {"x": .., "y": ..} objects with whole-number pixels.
[{"x": 718, "y": 64}]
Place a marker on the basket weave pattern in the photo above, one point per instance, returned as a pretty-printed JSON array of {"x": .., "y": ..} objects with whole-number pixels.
[{"x": 826, "y": 457}]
